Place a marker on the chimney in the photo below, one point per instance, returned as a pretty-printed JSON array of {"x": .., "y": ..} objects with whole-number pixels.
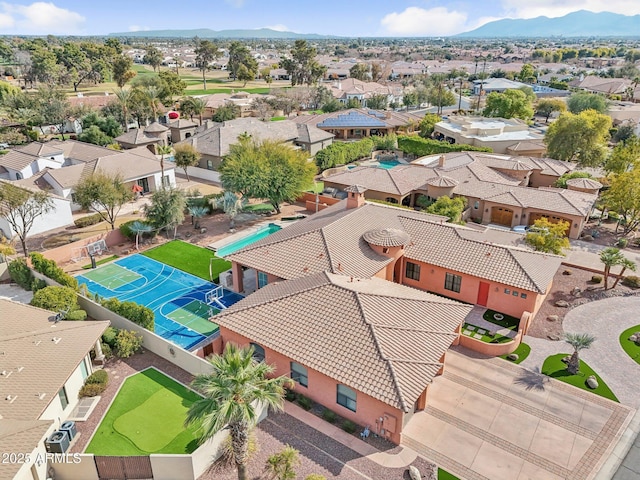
[
  {"x": 441, "y": 161},
  {"x": 356, "y": 196}
]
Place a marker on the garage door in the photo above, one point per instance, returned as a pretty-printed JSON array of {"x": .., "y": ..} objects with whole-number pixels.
[
  {"x": 501, "y": 216},
  {"x": 552, "y": 218}
]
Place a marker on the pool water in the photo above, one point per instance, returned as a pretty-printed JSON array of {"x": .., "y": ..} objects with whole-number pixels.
[
  {"x": 248, "y": 240},
  {"x": 388, "y": 164}
]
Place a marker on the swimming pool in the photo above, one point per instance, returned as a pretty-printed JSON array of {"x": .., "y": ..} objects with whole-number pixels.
[
  {"x": 248, "y": 240},
  {"x": 388, "y": 164}
]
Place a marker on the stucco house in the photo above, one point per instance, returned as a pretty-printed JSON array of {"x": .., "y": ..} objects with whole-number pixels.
[
  {"x": 43, "y": 365},
  {"x": 363, "y": 347},
  {"x": 351, "y": 88},
  {"x": 361, "y": 122},
  {"x": 499, "y": 189},
  {"x": 152, "y": 136},
  {"x": 213, "y": 143},
  {"x": 499, "y": 134}
]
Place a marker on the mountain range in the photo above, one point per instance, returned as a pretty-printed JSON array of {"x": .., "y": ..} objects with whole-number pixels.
[
  {"x": 266, "y": 33},
  {"x": 577, "y": 24}
]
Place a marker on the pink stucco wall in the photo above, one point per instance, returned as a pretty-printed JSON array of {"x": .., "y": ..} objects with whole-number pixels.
[
  {"x": 65, "y": 253},
  {"x": 432, "y": 278},
  {"x": 323, "y": 390}
]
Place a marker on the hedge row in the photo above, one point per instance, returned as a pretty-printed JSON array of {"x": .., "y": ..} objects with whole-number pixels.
[
  {"x": 95, "y": 384},
  {"x": 424, "y": 146},
  {"x": 138, "y": 314},
  {"x": 50, "y": 269},
  {"x": 341, "y": 153},
  {"x": 88, "y": 220},
  {"x": 20, "y": 273}
]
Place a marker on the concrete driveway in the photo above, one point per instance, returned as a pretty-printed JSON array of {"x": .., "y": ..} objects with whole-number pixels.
[{"x": 490, "y": 419}]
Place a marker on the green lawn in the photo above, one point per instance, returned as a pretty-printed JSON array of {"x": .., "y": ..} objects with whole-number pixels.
[
  {"x": 628, "y": 346},
  {"x": 277, "y": 119},
  {"x": 522, "y": 351},
  {"x": 554, "y": 367},
  {"x": 497, "y": 338},
  {"x": 147, "y": 416},
  {"x": 209, "y": 91},
  {"x": 258, "y": 208},
  {"x": 189, "y": 258},
  {"x": 507, "y": 322},
  {"x": 444, "y": 475},
  {"x": 315, "y": 187}
]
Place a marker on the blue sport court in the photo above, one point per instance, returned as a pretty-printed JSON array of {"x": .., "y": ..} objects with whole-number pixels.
[{"x": 178, "y": 299}]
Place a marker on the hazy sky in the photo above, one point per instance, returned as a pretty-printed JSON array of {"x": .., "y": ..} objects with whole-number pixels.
[{"x": 331, "y": 17}]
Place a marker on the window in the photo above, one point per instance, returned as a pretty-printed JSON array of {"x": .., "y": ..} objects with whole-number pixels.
[
  {"x": 64, "y": 400},
  {"x": 507, "y": 291},
  {"x": 83, "y": 369},
  {"x": 258, "y": 352},
  {"x": 452, "y": 282},
  {"x": 514, "y": 293},
  {"x": 166, "y": 181},
  {"x": 476, "y": 205},
  {"x": 523, "y": 295},
  {"x": 347, "y": 397},
  {"x": 73, "y": 198},
  {"x": 412, "y": 271},
  {"x": 299, "y": 374},
  {"x": 209, "y": 165},
  {"x": 263, "y": 279},
  {"x": 18, "y": 176}
]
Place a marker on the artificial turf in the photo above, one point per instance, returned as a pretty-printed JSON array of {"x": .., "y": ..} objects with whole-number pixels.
[
  {"x": 444, "y": 475},
  {"x": 522, "y": 351},
  {"x": 507, "y": 322},
  {"x": 497, "y": 338},
  {"x": 147, "y": 416},
  {"x": 554, "y": 367},
  {"x": 628, "y": 346},
  {"x": 189, "y": 258}
]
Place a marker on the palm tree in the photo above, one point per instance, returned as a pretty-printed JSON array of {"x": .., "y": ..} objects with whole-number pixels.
[
  {"x": 611, "y": 257},
  {"x": 625, "y": 264},
  {"x": 152, "y": 95},
  {"x": 198, "y": 106},
  {"x": 140, "y": 228},
  {"x": 124, "y": 99},
  {"x": 579, "y": 341},
  {"x": 230, "y": 204},
  {"x": 163, "y": 150},
  {"x": 232, "y": 392},
  {"x": 198, "y": 212}
]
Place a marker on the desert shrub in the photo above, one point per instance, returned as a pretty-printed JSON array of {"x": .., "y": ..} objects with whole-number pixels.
[
  {"x": 109, "y": 336},
  {"x": 138, "y": 314},
  {"x": 315, "y": 476},
  {"x": 291, "y": 395},
  {"x": 128, "y": 342},
  {"x": 91, "y": 390},
  {"x": 622, "y": 242},
  {"x": 88, "y": 220},
  {"x": 329, "y": 415},
  {"x": 50, "y": 269},
  {"x": 56, "y": 299},
  {"x": 21, "y": 273},
  {"x": 38, "y": 284},
  {"x": 304, "y": 402},
  {"x": 125, "y": 229},
  {"x": 596, "y": 279},
  {"x": 106, "y": 350},
  {"x": 349, "y": 427},
  {"x": 631, "y": 281},
  {"x": 76, "y": 315},
  {"x": 99, "y": 376},
  {"x": 424, "y": 146}
]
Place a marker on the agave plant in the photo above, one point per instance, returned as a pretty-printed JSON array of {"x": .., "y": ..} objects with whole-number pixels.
[
  {"x": 198, "y": 212},
  {"x": 140, "y": 228},
  {"x": 231, "y": 204}
]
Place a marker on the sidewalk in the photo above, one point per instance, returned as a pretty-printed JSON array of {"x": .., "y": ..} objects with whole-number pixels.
[
  {"x": 586, "y": 254},
  {"x": 402, "y": 459}
]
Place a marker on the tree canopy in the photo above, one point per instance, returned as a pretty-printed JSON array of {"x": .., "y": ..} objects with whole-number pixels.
[
  {"x": 241, "y": 65},
  {"x": 547, "y": 106},
  {"x": 448, "y": 207},
  {"x": 105, "y": 194},
  {"x": 428, "y": 123},
  {"x": 581, "y": 101},
  {"x": 579, "y": 138},
  {"x": 625, "y": 155},
  {"x": 547, "y": 236},
  {"x": 267, "y": 169},
  {"x": 623, "y": 197},
  {"x": 206, "y": 52},
  {"x": 302, "y": 65},
  {"x": 185, "y": 156},
  {"x": 512, "y": 103},
  {"x": 166, "y": 210}
]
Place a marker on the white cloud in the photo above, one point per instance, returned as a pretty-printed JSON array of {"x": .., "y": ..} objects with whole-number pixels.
[
  {"x": 6, "y": 21},
  {"x": 415, "y": 21},
  {"x": 138, "y": 28},
  {"x": 40, "y": 17},
  {"x": 279, "y": 27},
  {"x": 559, "y": 8}
]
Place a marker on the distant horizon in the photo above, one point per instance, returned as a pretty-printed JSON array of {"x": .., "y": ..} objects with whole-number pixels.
[{"x": 371, "y": 19}]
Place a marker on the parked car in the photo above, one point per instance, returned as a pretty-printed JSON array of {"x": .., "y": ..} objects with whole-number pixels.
[{"x": 520, "y": 228}]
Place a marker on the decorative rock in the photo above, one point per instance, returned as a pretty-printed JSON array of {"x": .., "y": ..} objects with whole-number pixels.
[
  {"x": 587, "y": 238},
  {"x": 592, "y": 383},
  {"x": 635, "y": 337},
  {"x": 414, "y": 473},
  {"x": 203, "y": 230},
  {"x": 567, "y": 272},
  {"x": 553, "y": 337},
  {"x": 576, "y": 291},
  {"x": 566, "y": 359},
  {"x": 562, "y": 303},
  {"x": 591, "y": 288},
  {"x": 553, "y": 318},
  {"x": 513, "y": 357}
]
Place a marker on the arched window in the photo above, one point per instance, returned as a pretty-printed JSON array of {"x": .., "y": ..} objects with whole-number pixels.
[
  {"x": 18, "y": 176},
  {"x": 391, "y": 200},
  {"x": 258, "y": 352}
]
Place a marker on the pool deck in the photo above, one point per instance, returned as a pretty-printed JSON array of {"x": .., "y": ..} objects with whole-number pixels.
[{"x": 217, "y": 245}]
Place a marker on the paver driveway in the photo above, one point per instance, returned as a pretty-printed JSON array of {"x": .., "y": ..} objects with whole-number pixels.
[{"x": 490, "y": 419}]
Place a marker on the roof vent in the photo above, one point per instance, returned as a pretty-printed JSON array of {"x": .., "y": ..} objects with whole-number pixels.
[
  {"x": 11, "y": 398},
  {"x": 20, "y": 369},
  {"x": 41, "y": 396},
  {"x": 5, "y": 373},
  {"x": 37, "y": 342},
  {"x": 56, "y": 340}
]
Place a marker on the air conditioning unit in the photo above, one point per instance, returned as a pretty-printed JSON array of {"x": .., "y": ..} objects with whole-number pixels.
[
  {"x": 58, "y": 442},
  {"x": 70, "y": 427}
]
